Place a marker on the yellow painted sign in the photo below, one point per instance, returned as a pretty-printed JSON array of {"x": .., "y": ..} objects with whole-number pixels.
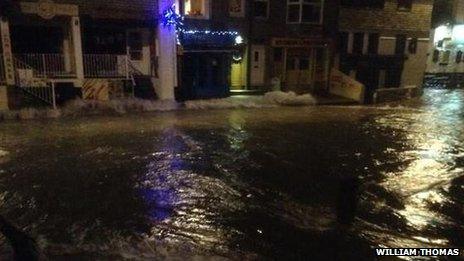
[{"x": 47, "y": 9}]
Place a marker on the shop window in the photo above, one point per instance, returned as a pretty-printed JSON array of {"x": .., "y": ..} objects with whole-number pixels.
[
  {"x": 237, "y": 8},
  {"x": 373, "y": 46},
  {"x": 278, "y": 53},
  {"x": 304, "y": 11},
  {"x": 412, "y": 47},
  {"x": 261, "y": 8},
  {"x": 358, "y": 43},
  {"x": 404, "y": 5},
  {"x": 400, "y": 44},
  {"x": 196, "y": 8}
]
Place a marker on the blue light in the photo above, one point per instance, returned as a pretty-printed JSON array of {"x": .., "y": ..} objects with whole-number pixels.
[{"x": 171, "y": 18}]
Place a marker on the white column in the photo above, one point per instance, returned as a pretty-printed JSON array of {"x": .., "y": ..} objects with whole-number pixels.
[
  {"x": 77, "y": 46},
  {"x": 5, "y": 41},
  {"x": 67, "y": 50},
  {"x": 7, "y": 53},
  {"x": 168, "y": 56}
]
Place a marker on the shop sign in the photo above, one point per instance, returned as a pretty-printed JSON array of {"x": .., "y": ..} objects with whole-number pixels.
[
  {"x": 296, "y": 42},
  {"x": 47, "y": 9}
]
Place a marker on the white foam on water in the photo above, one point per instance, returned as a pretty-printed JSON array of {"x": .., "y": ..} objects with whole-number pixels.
[
  {"x": 289, "y": 98},
  {"x": 132, "y": 105},
  {"x": 120, "y": 106},
  {"x": 270, "y": 99}
]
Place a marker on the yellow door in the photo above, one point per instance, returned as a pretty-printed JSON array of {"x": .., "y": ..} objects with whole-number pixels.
[{"x": 236, "y": 76}]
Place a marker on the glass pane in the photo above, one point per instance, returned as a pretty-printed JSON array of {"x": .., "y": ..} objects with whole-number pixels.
[
  {"x": 293, "y": 15},
  {"x": 311, "y": 13}
]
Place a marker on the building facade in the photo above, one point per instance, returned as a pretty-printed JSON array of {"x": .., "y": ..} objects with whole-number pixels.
[
  {"x": 56, "y": 50},
  {"x": 278, "y": 44},
  {"x": 445, "y": 65},
  {"x": 384, "y": 43}
]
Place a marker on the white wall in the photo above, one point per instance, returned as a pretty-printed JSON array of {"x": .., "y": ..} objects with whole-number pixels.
[{"x": 415, "y": 64}]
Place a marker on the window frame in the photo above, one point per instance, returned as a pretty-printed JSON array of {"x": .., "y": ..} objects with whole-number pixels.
[
  {"x": 402, "y": 8},
  {"x": 206, "y": 10},
  {"x": 300, "y": 4},
  {"x": 267, "y": 9},
  {"x": 238, "y": 14}
]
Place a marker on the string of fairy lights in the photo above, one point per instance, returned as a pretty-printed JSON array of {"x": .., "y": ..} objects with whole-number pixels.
[{"x": 170, "y": 18}]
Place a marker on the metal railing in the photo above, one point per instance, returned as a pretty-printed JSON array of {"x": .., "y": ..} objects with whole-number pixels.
[
  {"x": 47, "y": 64},
  {"x": 106, "y": 66},
  {"x": 34, "y": 82},
  {"x": 2, "y": 70}
]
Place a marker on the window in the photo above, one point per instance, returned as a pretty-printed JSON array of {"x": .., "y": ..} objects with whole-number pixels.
[
  {"x": 436, "y": 55},
  {"x": 400, "y": 44},
  {"x": 358, "y": 43},
  {"x": 304, "y": 11},
  {"x": 412, "y": 47},
  {"x": 404, "y": 5},
  {"x": 260, "y": 8},
  {"x": 196, "y": 8},
  {"x": 363, "y": 3},
  {"x": 458, "y": 56},
  {"x": 237, "y": 8},
  {"x": 373, "y": 46}
]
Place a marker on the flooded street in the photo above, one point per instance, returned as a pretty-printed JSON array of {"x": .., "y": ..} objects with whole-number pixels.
[{"x": 238, "y": 184}]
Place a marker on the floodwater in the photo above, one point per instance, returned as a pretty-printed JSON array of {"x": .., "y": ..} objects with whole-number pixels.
[{"x": 247, "y": 184}]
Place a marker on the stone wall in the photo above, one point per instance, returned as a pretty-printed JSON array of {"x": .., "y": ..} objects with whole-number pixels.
[{"x": 389, "y": 20}]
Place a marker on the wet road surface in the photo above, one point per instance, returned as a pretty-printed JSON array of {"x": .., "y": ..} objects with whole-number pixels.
[{"x": 238, "y": 184}]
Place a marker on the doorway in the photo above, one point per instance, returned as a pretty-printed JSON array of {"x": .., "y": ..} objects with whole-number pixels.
[
  {"x": 205, "y": 75},
  {"x": 299, "y": 73},
  {"x": 258, "y": 65}
]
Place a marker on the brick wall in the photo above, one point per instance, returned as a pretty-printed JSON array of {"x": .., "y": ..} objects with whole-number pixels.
[{"x": 389, "y": 20}]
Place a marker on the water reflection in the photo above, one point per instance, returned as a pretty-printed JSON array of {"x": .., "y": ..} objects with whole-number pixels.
[{"x": 261, "y": 183}]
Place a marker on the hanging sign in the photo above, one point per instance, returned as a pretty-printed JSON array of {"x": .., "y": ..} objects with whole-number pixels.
[
  {"x": 47, "y": 9},
  {"x": 7, "y": 54}
]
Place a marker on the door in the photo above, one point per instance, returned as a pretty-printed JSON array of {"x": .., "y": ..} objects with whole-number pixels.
[
  {"x": 258, "y": 63},
  {"x": 299, "y": 74}
]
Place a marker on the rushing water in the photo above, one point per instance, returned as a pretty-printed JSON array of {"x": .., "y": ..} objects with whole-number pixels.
[{"x": 238, "y": 184}]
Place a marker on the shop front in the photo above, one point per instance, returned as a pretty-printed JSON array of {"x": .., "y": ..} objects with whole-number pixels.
[
  {"x": 301, "y": 65},
  {"x": 208, "y": 63}
]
